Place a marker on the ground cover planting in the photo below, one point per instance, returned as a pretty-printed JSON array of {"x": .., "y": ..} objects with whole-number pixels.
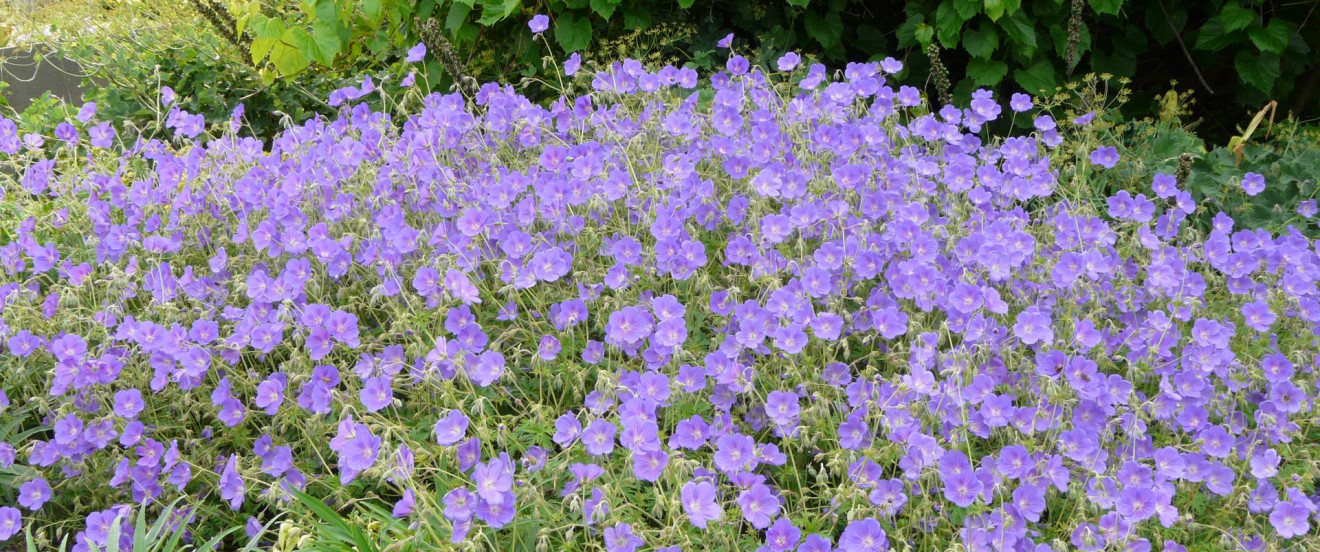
[{"x": 771, "y": 308}]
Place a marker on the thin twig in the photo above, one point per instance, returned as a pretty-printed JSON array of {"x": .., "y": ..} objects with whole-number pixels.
[{"x": 1178, "y": 36}]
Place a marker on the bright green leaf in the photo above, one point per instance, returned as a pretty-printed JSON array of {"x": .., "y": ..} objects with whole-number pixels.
[
  {"x": 1273, "y": 38},
  {"x": 604, "y": 8},
  {"x": 685, "y": 4},
  {"x": 797, "y": 3},
  {"x": 1039, "y": 76},
  {"x": 572, "y": 32},
  {"x": 924, "y": 33},
  {"x": 287, "y": 55},
  {"x": 982, "y": 42},
  {"x": 948, "y": 24},
  {"x": 994, "y": 9},
  {"x": 1107, "y": 7},
  {"x": 323, "y": 44},
  {"x": 1259, "y": 71},
  {"x": 986, "y": 72},
  {"x": 374, "y": 10},
  {"x": 1234, "y": 17},
  {"x": 494, "y": 11}
]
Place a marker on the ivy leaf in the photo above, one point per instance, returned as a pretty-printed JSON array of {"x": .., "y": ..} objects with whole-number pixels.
[
  {"x": 1107, "y": 7},
  {"x": 572, "y": 32},
  {"x": 323, "y": 44},
  {"x": 1039, "y": 76},
  {"x": 982, "y": 42},
  {"x": 1258, "y": 71},
  {"x": 605, "y": 8},
  {"x": 1273, "y": 38},
  {"x": 1021, "y": 33},
  {"x": 994, "y": 9},
  {"x": 985, "y": 72},
  {"x": 1234, "y": 17}
]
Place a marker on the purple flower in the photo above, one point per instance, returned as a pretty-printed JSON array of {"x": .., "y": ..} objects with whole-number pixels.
[
  {"x": 700, "y": 503},
  {"x": 231, "y": 484},
  {"x": 404, "y": 507},
  {"x": 451, "y": 428},
  {"x": 376, "y": 393},
  {"x": 864, "y": 535},
  {"x": 1020, "y": 103},
  {"x": 572, "y": 64},
  {"x": 128, "y": 403},
  {"x": 539, "y": 23},
  {"x": 725, "y": 42},
  {"x": 759, "y": 505},
  {"x": 1105, "y": 156},
  {"x": 789, "y": 61},
  {"x": 416, "y": 53},
  {"x": 1290, "y": 519},
  {"x": 493, "y": 479},
  {"x": 1253, "y": 183},
  {"x": 598, "y": 438},
  {"x": 782, "y": 536},
  {"x": 1034, "y": 326},
  {"x": 34, "y": 494},
  {"x": 620, "y": 538}
]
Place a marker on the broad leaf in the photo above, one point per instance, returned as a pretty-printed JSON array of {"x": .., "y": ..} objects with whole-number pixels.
[
  {"x": 1021, "y": 33},
  {"x": 323, "y": 44},
  {"x": 1260, "y": 71},
  {"x": 1234, "y": 17},
  {"x": 604, "y": 8},
  {"x": 981, "y": 42},
  {"x": 572, "y": 31},
  {"x": 1273, "y": 38},
  {"x": 986, "y": 72},
  {"x": 1039, "y": 76},
  {"x": 1107, "y": 7},
  {"x": 828, "y": 30},
  {"x": 994, "y": 9}
]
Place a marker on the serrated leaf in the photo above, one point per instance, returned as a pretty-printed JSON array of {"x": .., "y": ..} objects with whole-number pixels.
[
  {"x": 948, "y": 24},
  {"x": 1260, "y": 71},
  {"x": 1020, "y": 32},
  {"x": 985, "y": 72},
  {"x": 496, "y": 11},
  {"x": 1211, "y": 36},
  {"x": 322, "y": 45},
  {"x": 1039, "y": 76},
  {"x": 685, "y": 4},
  {"x": 924, "y": 33},
  {"x": 572, "y": 32},
  {"x": 604, "y": 8},
  {"x": 1234, "y": 17},
  {"x": 994, "y": 9},
  {"x": 1273, "y": 38},
  {"x": 828, "y": 30},
  {"x": 287, "y": 55},
  {"x": 981, "y": 42},
  {"x": 458, "y": 15},
  {"x": 636, "y": 17},
  {"x": 967, "y": 9},
  {"x": 374, "y": 11},
  {"x": 796, "y": 3},
  {"x": 1107, "y": 7}
]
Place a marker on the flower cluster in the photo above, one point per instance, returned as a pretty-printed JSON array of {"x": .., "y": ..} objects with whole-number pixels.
[{"x": 798, "y": 310}]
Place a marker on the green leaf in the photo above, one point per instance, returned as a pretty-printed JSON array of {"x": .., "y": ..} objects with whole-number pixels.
[
  {"x": 685, "y": 4},
  {"x": 795, "y": 3},
  {"x": 948, "y": 24},
  {"x": 1039, "y": 76},
  {"x": 1020, "y": 33},
  {"x": 924, "y": 33},
  {"x": 323, "y": 44},
  {"x": 1107, "y": 7},
  {"x": 604, "y": 8},
  {"x": 572, "y": 32},
  {"x": 458, "y": 15},
  {"x": 967, "y": 9},
  {"x": 1212, "y": 37},
  {"x": 994, "y": 9},
  {"x": 495, "y": 11},
  {"x": 374, "y": 11},
  {"x": 1273, "y": 38},
  {"x": 1260, "y": 71},
  {"x": 287, "y": 55},
  {"x": 982, "y": 42},
  {"x": 636, "y": 17},
  {"x": 1234, "y": 17},
  {"x": 828, "y": 30},
  {"x": 985, "y": 72}
]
